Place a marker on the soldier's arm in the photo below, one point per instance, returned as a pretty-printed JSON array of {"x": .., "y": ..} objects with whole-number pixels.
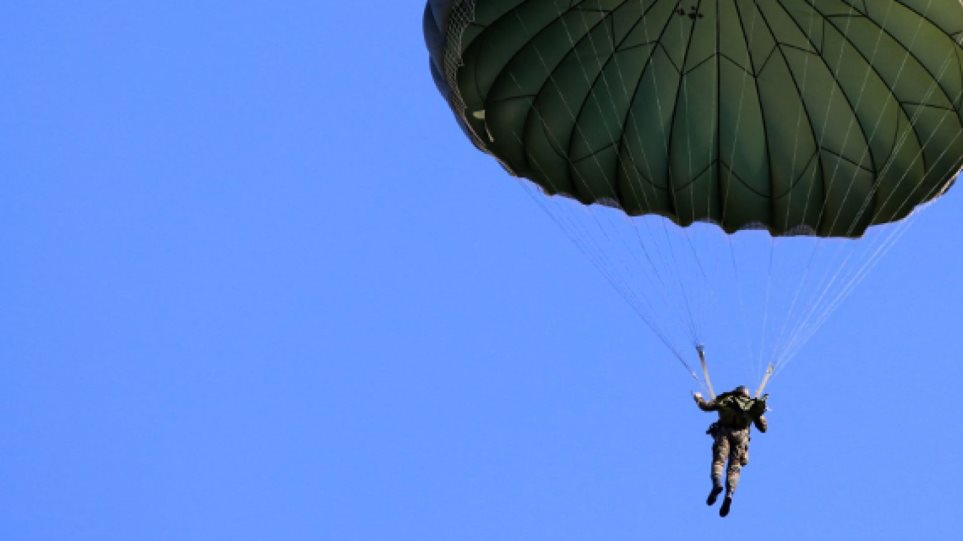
[
  {"x": 761, "y": 423},
  {"x": 705, "y": 405}
]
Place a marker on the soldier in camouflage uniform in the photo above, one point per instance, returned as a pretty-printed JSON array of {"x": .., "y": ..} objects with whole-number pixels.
[{"x": 730, "y": 434}]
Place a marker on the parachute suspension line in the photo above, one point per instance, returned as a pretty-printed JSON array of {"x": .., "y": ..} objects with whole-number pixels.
[
  {"x": 682, "y": 87},
  {"x": 591, "y": 249},
  {"x": 815, "y": 321},
  {"x": 685, "y": 295},
  {"x": 823, "y": 310},
  {"x": 756, "y": 360},
  {"x": 655, "y": 268},
  {"x": 705, "y": 280},
  {"x": 791, "y": 313},
  {"x": 807, "y": 331},
  {"x": 690, "y": 321},
  {"x": 596, "y": 256},
  {"x": 712, "y": 152},
  {"x": 600, "y": 261},
  {"x": 604, "y": 80},
  {"x": 858, "y": 276},
  {"x": 743, "y": 87},
  {"x": 800, "y": 286},
  {"x": 599, "y": 264},
  {"x": 849, "y": 131},
  {"x": 808, "y": 328},
  {"x": 663, "y": 286},
  {"x": 765, "y": 314},
  {"x": 586, "y": 246},
  {"x": 749, "y": 354},
  {"x": 674, "y": 257},
  {"x": 682, "y": 90}
]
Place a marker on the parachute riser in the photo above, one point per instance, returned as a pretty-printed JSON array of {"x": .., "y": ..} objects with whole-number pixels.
[
  {"x": 770, "y": 370},
  {"x": 705, "y": 369},
  {"x": 765, "y": 379}
]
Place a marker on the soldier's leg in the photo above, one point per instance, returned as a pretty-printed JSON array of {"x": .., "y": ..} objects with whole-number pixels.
[
  {"x": 738, "y": 445},
  {"x": 720, "y": 451},
  {"x": 738, "y": 455},
  {"x": 732, "y": 477}
]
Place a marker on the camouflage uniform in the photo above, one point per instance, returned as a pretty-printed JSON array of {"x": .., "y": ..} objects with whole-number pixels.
[{"x": 730, "y": 435}]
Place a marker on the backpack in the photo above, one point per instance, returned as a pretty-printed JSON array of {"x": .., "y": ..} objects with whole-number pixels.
[{"x": 738, "y": 411}]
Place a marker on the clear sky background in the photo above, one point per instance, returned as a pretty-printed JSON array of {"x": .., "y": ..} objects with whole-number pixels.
[{"x": 255, "y": 284}]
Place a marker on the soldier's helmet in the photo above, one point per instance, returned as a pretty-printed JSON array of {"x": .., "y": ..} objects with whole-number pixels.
[{"x": 743, "y": 390}]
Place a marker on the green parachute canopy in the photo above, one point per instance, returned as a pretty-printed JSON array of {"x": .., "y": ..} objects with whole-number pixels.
[{"x": 812, "y": 117}]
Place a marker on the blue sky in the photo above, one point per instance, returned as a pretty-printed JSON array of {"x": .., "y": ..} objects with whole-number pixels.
[{"x": 256, "y": 285}]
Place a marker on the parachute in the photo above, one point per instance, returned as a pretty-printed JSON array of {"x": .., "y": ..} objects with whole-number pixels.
[{"x": 812, "y": 119}]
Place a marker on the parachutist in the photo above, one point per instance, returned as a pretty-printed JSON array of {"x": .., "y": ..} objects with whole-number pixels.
[{"x": 730, "y": 437}]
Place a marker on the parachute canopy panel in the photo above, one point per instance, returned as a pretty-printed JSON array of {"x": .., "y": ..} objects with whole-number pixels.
[{"x": 798, "y": 116}]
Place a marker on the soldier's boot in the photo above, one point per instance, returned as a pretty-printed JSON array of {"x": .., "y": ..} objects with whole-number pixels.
[
  {"x": 732, "y": 480},
  {"x": 714, "y": 494},
  {"x": 726, "y": 503},
  {"x": 716, "y": 484}
]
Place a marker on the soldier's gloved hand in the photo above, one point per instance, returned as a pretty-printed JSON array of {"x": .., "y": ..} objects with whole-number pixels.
[
  {"x": 697, "y": 396},
  {"x": 758, "y": 407}
]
